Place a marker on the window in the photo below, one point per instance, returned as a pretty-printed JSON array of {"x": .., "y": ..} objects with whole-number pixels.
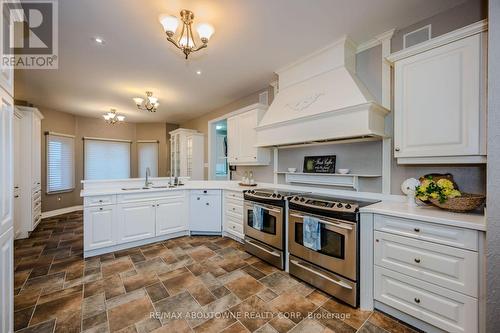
[
  {"x": 60, "y": 162},
  {"x": 106, "y": 159},
  {"x": 148, "y": 157}
]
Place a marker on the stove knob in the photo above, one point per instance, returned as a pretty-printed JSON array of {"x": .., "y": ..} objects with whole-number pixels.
[
  {"x": 296, "y": 198},
  {"x": 340, "y": 205},
  {"x": 274, "y": 195},
  {"x": 279, "y": 196},
  {"x": 348, "y": 206},
  {"x": 302, "y": 199}
]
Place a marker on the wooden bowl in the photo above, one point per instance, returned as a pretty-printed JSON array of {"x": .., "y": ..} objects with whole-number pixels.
[{"x": 465, "y": 203}]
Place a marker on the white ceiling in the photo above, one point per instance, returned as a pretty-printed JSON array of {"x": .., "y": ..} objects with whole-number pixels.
[{"x": 252, "y": 39}]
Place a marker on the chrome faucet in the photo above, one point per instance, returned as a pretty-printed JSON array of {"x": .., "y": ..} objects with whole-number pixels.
[{"x": 147, "y": 183}]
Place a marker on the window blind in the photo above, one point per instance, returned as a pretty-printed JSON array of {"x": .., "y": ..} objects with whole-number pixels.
[
  {"x": 106, "y": 159},
  {"x": 148, "y": 158},
  {"x": 60, "y": 163}
]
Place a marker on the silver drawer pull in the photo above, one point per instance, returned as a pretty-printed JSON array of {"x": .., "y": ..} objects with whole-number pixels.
[
  {"x": 417, "y": 229},
  {"x": 417, "y": 260},
  {"x": 339, "y": 283},
  {"x": 337, "y": 225},
  {"x": 417, "y": 300},
  {"x": 264, "y": 249}
]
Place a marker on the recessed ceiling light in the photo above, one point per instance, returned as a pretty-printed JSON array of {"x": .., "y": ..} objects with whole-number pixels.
[
  {"x": 198, "y": 72},
  {"x": 98, "y": 40}
]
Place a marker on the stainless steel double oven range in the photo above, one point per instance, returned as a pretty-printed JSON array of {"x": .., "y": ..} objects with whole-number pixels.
[
  {"x": 334, "y": 267},
  {"x": 269, "y": 242}
]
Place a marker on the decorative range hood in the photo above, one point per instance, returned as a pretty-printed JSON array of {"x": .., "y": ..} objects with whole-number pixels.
[{"x": 321, "y": 99}]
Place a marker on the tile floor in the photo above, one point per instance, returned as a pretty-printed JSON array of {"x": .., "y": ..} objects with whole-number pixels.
[{"x": 188, "y": 284}]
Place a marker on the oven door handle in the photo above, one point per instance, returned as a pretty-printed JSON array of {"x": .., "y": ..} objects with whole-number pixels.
[
  {"x": 337, "y": 225},
  {"x": 339, "y": 283},
  {"x": 263, "y": 248},
  {"x": 271, "y": 209}
]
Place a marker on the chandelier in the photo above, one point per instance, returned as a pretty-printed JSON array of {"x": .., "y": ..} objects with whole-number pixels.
[
  {"x": 112, "y": 118},
  {"x": 185, "y": 41},
  {"x": 149, "y": 104}
]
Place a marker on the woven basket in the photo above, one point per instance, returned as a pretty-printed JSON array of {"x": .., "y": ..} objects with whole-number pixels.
[{"x": 465, "y": 203}]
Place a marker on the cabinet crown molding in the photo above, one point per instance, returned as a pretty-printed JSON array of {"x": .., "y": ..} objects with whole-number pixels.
[{"x": 472, "y": 29}]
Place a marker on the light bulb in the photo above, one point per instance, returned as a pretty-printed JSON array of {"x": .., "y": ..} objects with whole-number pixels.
[
  {"x": 205, "y": 31},
  {"x": 138, "y": 101},
  {"x": 111, "y": 115},
  {"x": 106, "y": 117},
  {"x": 169, "y": 23},
  {"x": 183, "y": 42},
  {"x": 120, "y": 118},
  {"x": 152, "y": 99}
]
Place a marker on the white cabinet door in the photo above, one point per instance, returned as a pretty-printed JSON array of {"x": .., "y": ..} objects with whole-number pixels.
[
  {"x": 136, "y": 221},
  {"x": 248, "y": 137},
  {"x": 6, "y": 162},
  {"x": 233, "y": 139},
  {"x": 99, "y": 227},
  {"x": 171, "y": 215},
  {"x": 206, "y": 212},
  {"x": 7, "y": 281},
  {"x": 37, "y": 157},
  {"x": 438, "y": 106},
  {"x": 6, "y": 74}
]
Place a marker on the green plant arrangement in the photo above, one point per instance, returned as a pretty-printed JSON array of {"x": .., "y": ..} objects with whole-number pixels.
[{"x": 442, "y": 190}]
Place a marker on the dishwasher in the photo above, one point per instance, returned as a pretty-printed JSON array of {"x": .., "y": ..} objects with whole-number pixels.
[{"x": 205, "y": 212}]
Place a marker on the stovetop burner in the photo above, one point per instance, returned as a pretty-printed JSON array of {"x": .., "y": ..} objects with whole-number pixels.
[{"x": 270, "y": 196}]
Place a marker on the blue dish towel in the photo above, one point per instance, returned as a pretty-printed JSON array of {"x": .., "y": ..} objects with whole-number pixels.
[
  {"x": 311, "y": 233},
  {"x": 258, "y": 217}
]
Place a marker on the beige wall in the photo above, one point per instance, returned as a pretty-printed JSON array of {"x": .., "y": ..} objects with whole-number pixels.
[{"x": 61, "y": 122}]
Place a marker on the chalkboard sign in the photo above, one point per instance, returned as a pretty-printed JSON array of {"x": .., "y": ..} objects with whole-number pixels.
[{"x": 320, "y": 164}]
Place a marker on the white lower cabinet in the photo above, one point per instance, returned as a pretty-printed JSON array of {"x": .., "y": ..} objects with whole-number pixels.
[
  {"x": 136, "y": 221},
  {"x": 99, "y": 227},
  {"x": 428, "y": 271},
  {"x": 233, "y": 213},
  {"x": 7, "y": 281},
  {"x": 170, "y": 215}
]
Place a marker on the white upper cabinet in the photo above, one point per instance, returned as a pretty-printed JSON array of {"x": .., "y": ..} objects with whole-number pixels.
[
  {"x": 242, "y": 137},
  {"x": 439, "y": 99}
]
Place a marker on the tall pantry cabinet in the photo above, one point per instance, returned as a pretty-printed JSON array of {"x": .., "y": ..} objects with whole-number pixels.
[
  {"x": 27, "y": 170},
  {"x": 6, "y": 200},
  {"x": 187, "y": 152}
]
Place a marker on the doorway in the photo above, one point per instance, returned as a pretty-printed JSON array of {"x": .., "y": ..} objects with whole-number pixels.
[{"x": 219, "y": 168}]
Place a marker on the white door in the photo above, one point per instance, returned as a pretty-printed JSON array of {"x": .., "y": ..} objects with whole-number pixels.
[
  {"x": 233, "y": 139},
  {"x": 6, "y": 214},
  {"x": 248, "y": 137},
  {"x": 18, "y": 175},
  {"x": 99, "y": 227},
  {"x": 136, "y": 221},
  {"x": 437, "y": 101},
  {"x": 206, "y": 212},
  {"x": 171, "y": 215}
]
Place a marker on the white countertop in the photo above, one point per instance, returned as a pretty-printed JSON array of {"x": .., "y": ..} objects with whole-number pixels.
[
  {"x": 393, "y": 205},
  {"x": 429, "y": 214}
]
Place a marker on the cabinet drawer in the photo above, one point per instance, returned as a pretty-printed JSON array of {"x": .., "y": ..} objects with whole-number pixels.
[
  {"x": 445, "y": 266},
  {"x": 234, "y": 195},
  {"x": 446, "y": 235},
  {"x": 234, "y": 209},
  {"x": 443, "y": 308},
  {"x": 150, "y": 196},
  {"x": 99, "y": 200},
  {"x": 205, "y": 192},
  {"x": 234, "y": 227}
]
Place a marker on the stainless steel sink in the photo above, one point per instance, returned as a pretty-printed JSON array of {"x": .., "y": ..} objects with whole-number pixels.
[
  {"x": 161, "y": 186},
  {"x": 132, "y": 188}
]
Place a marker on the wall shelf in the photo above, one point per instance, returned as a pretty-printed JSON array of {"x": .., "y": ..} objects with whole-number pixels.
[{"x": 328, "y": 179}]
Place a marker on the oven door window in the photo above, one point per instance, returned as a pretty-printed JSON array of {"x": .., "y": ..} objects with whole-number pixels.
[
  {"x": 269, "y": 222},
  {"x": 332, "y": 243}
]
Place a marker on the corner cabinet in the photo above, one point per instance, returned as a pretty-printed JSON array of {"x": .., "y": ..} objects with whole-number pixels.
[
  {"x": 242, "y": 137},
  {"x": 187, "y": 154},
  {"x": 440, "y": 99}
]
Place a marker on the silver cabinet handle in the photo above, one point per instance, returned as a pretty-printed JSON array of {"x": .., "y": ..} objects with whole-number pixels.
[
  {"x": 417, "y": 260},
  {"x": 16, "y": 196},
  {"x": 339, "y": 283},
  {"x": 101, "y": 208},
  {"x": 264, "y": 249},
  {"x": 207, "y": 204},
  {"x": 417, "y": 229},
  {"x": 417, "y": 300},
  {"x": 397, "y": 149},
  {"x": 337, "y": 225}
]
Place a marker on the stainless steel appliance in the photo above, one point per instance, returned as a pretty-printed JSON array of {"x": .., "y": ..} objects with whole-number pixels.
[
  {"x": 334, "y": 268},
  {"x": 268, "y": 243}
]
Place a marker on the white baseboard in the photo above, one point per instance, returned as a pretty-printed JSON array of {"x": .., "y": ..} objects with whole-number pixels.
[{"x": 66, "y": 210}]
